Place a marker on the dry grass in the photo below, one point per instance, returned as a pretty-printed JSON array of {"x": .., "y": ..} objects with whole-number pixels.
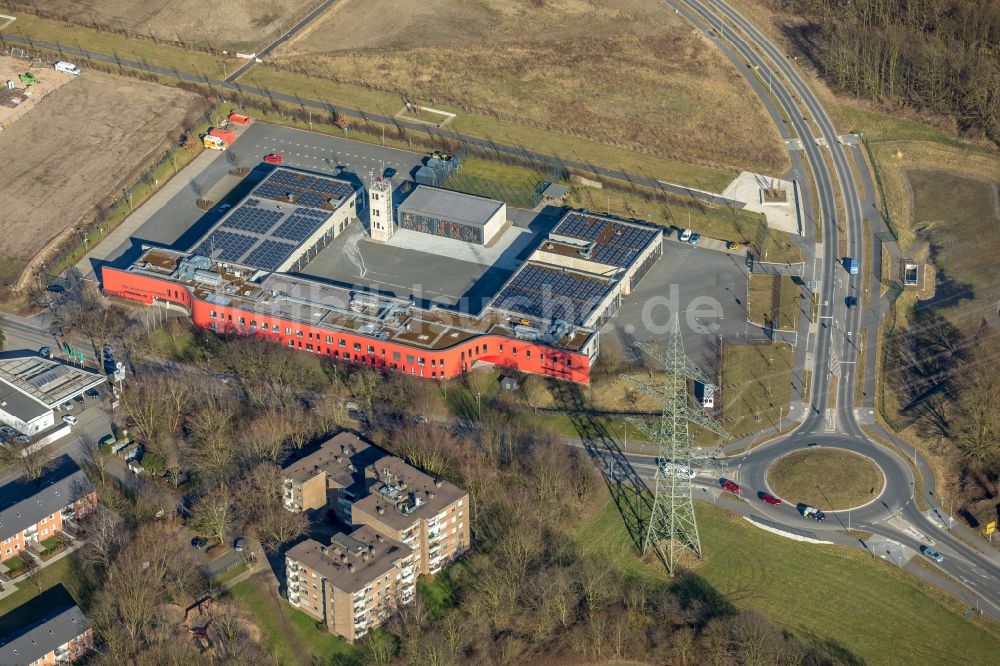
[
  {"x": 775, "y": 299},
  {"x": 57, "y": 171},
  {"x": 830, "y": 479},
  {"x": 756, "y": 386},
  {"x": 220, "y": 25},
  {"x": 623, "y": 72}
]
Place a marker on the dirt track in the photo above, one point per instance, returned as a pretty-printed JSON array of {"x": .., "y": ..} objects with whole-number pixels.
[{"x": 80, "y": 144}]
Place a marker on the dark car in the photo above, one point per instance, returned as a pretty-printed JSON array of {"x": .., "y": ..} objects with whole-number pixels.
[
  {"x": 770, "y": 499},
  {"x": 92, "y": 393},
  {"x": 731, "y": 486},
  {"x": 694, "y": 239},
  {"x": 389, "y": 173},
  {"x": 851, "y": 302},
  {"x": 78, "y": 398},
  {"x": 199, "y": 542},
  {"x": 239, "y": 545}
]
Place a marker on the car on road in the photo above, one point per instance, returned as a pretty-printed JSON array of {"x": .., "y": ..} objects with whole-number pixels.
[
  {"x": 199, "y": 542},
  {"x": 812, "y": 512},
  {"x": 273, "y": 158},
  {"x": 932, "y": 554},
  {"x": 685, "y": 235},
  {"x": 239, "y": 545},
  {"x": 770, "y": 499},
  {"x": 731, "y": 486},
  {"x": 694, "y": 239},
  {"x": 46, "y": 352},
  {"x": 733, "y": 245},
  {"x": 851, "y": 302},
  {"x": 70, "y": 419}
]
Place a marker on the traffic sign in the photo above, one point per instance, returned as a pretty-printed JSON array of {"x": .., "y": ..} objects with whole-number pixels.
[{"x": 991, "y": 527}]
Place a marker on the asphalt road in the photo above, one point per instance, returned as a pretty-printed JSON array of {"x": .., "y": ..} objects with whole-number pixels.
[{"x": 896, "y": 514}]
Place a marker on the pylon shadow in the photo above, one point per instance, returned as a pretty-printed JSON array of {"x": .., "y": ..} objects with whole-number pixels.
[{"x": 629, "y": 492}]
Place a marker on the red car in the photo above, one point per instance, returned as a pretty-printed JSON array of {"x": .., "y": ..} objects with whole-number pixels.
[
  {"x": 771, "y": 499},
  {"x": 273, "y": 158},
  {"x": 732, "y": 487}
]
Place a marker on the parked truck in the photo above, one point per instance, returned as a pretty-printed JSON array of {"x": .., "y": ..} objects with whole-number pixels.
[{"x": 214, "y": 143}]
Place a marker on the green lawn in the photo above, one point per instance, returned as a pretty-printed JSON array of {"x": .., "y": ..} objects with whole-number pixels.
[
  {"x": 297, "y": 639},
  {"x": 59, "y": 571},
  {"x": 825, "y": 594},
  {"x": 109, "y": 43},
  {"x": 14, "y": 565},
  {"x": 827, "y": 478}
]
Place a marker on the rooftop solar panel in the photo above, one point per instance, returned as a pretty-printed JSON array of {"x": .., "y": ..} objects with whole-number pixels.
[
  {"x": 535, "y": 291},
  {"x": 225, "y": 246},
  {"x": 297, "y": 228},
  {"x": 269, "y": 255}
]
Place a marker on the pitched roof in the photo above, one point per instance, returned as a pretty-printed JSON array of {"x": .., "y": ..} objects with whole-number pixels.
[
  {"x": 24, "y": 502},
  {"x": 55, "y": 629}
]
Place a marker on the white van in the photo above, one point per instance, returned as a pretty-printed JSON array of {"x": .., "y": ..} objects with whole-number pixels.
[{"x": 68, "y": 67}]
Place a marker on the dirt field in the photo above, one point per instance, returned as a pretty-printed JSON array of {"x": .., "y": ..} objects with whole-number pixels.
[
  {"x": 48, "y": 80},
  {"x": 220, "y": 25},
  {"x": 75, "y": 148},
  {"x": 625, "y": 72}
]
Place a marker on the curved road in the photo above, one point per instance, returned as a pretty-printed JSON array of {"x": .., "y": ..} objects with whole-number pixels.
[{"x": 895, "y": 515}]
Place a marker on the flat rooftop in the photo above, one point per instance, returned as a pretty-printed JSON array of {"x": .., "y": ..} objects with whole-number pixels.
[
  {"x": 404, "y": 493},
  {"x": 351, "y": 561},
  {"x": 43, "y": 381},
  {"x": 615, "y": 242},
  {"x": 280, "y": 214},
  {"x": 450, "y": 206},
  {"x": 336, "y": 457}
]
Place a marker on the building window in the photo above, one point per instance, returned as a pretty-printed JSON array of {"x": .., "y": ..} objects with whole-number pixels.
[
  {"x": 395, "y": 356},
  {"x": 357, "y": 346},
  {"x": 241, "y": 320},
  {"x": 291, "y": 343},
  {"x": 264, "y": 326},
  {"x": 501, "y": 349},
  {"x": 329, "y": 339},
  {"x": 420, "y": 361},
  {"x": 527, "y": 354},
  {"x": 409, "y": 360},
  {"x": 212, "y": 314},
  {"x": 298, "y": 334},
  {"x": 342, "y": 343},
  {"x": 371, "y": 349},
  {"x": 253, "y": 322},
  {"x": 288, "y": 331}
]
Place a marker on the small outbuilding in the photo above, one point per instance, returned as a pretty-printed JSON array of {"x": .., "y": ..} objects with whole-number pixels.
[{"x": 508, "y": 383}]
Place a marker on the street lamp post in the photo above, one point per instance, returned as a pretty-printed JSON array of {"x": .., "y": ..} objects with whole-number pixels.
[
  {"x": 479, "y": 405},
  {"x": 625, "y": 443}
]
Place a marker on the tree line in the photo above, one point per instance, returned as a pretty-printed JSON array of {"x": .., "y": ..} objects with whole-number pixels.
[{"x": 941, "y": 56}]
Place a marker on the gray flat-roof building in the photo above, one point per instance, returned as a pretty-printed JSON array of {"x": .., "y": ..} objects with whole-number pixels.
[
  {"x": 464, "y": 217},
  {"x": 31, "y": 387}
]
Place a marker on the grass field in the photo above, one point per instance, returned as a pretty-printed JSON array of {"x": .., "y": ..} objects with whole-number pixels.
[
  {"x": 292, "y": 637},
  {"x": 756, "y": 386},
  {"x": 831, "y": 479},
  {"x": 622, "y": 72},
  {"x": 60, "y": 571},
  {"x": 223, "y": 25},
  {"x": 58, "y": 171},
  {"x": 826, "y": 595},
  {"x": 109, "y": 43}
]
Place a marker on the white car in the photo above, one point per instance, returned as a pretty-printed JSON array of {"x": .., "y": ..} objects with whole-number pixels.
[
  {"x": 70, "y": 419},
  {"x": 686, "y": 235}
]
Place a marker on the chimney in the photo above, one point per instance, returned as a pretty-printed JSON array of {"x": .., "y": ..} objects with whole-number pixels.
[
  {"x": 378, "y": 537},
  {"x": 364, "y": 556},
  {"x": 430, "y": 495},
  {"x": 371, "y": 549},
  {"x": 438, "y": 483},
  {"x": 350, "y": 566},
  {"x": 379, "y": 510}
]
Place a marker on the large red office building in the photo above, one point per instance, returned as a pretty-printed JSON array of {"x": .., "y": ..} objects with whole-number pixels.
[{"x": 237, "y": 280}]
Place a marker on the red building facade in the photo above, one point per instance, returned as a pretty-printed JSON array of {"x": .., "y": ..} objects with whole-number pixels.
[{"x": 390, "y": 355}]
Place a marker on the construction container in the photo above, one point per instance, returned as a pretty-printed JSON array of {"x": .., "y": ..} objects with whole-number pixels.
[
  {"x": 226, "y": 135},
  {"x": 240, "y": 119}
]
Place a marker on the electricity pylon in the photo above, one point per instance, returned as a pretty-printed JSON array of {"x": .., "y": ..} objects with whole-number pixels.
[{"x": 672, "y": 525}]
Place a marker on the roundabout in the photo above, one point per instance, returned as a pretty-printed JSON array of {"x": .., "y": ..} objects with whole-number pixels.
[{"x": 832, "y": 479}]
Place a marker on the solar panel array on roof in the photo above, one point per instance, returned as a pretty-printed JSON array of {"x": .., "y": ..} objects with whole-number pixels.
[
  {"x": 615, "y": 243},
  {"x": 548, "y": 293},
  {"x": 255, "y": 220},
  {"x": 305, "y": 190},
  {"x": 297, "y": 227},
  {"x": 225, "y": 246},
  {"x": 269, "y": 255}
]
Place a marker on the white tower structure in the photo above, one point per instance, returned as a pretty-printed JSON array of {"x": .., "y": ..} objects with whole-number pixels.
[{"x": 380, "y": 208}]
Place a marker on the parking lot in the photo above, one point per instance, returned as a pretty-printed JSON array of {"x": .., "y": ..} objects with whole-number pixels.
[{"x": 709, "y": 290}]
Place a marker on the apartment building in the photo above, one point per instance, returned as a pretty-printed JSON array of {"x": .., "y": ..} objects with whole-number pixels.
[
  {"x": 429, "y": 515},
  {"x": 60, "y": 636},
  {"x": 354, "y": 584},
  {"x": 330, "y": 478},
  {"x": 34, "y": 510}
]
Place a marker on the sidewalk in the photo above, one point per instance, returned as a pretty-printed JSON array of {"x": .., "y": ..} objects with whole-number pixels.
[{"x": 121, "y": 234}]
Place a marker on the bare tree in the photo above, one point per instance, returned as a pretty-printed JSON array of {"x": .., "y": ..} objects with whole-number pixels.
[
  {"x": 93, "y": 455},
  {"x": 213, "y": 514}
]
